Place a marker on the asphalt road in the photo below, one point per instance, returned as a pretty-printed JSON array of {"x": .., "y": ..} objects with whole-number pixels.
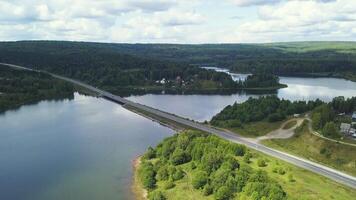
[{"x": 303, "y": 163}]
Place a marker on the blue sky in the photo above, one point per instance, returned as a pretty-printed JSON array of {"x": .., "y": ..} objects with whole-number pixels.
[{"x": 178, "y": 21}]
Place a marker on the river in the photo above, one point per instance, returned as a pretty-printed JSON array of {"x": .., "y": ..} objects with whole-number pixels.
[
  {"x": 83, "y": 148},
  {"x": 70, "y": 150}
]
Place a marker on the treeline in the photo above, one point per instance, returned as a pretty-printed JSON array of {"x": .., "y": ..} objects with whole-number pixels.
[
  {"x": 269, "y": 108},
  {"x": 326, "y": 118},
  {"x": 212, "y": 165},
  {"x": 260, "y": 81},
  {"x": 19, "y": 87},
  {"x": 104, "y": 66}
]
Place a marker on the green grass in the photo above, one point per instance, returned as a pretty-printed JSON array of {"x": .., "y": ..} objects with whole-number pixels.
[
  {"x": 290, "y": 124},
  {"x": 307, "y": 145},
  {"x": 256, "y": 129}
]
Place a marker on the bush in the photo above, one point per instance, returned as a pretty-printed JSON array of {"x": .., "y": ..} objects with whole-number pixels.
[
  {"x": 179, "y": 157},
  {"x": 200, "y": 179},
  {"x": 162, "y": 173},
  {"x": 247, "y": 157},
  {"x": 151, "y": 153},
  {"x": 223, "y": 193},
  {"x": 261, "y": 162},
  {"x": 168, "y": 185},
  {"x": 275, "y": 117},
  {"x": 157, "y": 195},
  {"x": 178, "y": 174},
  {"x": 208, "y": 190},
  {"x": 147, "y": 175},
  {"x": 281, "y": 171}
]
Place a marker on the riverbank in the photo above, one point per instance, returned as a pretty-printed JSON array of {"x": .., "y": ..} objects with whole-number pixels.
[{"x": 139, "y": 192}]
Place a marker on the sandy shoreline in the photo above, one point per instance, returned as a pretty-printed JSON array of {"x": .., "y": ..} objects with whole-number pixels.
[{"x": 137, "y": 189}]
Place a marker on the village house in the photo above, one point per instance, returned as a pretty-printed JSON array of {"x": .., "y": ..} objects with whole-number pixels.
[
  {"x": 354, "y": 117},
  {"x": 345, "y": 128}
]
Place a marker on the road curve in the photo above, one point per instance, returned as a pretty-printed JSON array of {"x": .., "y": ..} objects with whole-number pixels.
[{"x": 303, "y": 163}]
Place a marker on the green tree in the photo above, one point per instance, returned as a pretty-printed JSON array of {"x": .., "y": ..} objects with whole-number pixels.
[
  {"x": 199, "y": 179},
  {"x": 330, "y": 130},
  {"x": 223, "y": 193}
]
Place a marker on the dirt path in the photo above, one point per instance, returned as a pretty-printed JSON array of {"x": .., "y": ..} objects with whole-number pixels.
[{"x": 282, "y": 133}]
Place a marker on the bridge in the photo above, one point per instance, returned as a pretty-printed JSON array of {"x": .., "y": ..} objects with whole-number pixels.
[{"x": 333, "y": 174}]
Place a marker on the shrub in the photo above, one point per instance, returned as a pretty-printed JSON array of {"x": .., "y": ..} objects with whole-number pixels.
[
  {"x": 162, "y": 174},
  {"x": 261, "y": 162},
  {"x": 179, "y": 157},
  {"x": 247, "y": 157},
  {"x": 151, "y": 153},
  {"x": 178, "y": 174},
  {"x": 147, "y": 175},
  {"x": 223, "y": 193},
  {"x": 157, "y": 195},
  {"x": 208, "y": 190},
  {"x": 281, "y": 171},
  {"x": 168, "y": 185},
  {"x": 200, "y": 179}
]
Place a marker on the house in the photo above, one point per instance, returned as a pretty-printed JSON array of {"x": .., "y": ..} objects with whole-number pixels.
[
  {"x": 354, "y": 117},
  {"x": 352, "y": 131},
  {"x": 345, "y": 128},
  {"x": 296, "y": 115},
  {"x": 163, "y": 81}
]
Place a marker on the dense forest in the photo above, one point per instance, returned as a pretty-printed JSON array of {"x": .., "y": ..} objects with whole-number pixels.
[
  {"x": 19, "y": 87},
  {"x": 105, "y": 67},
  {"x": 268, "y": 107},
  {"x": 212, "y": 166},
  {"x": 260, "y": 81},
  {"x": 120, "y": 67}
]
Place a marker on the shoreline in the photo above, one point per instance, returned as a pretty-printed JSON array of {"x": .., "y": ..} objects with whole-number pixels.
[{"x": 138, "y": 192}]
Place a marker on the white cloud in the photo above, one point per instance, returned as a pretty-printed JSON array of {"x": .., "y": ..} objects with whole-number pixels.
[{"x": 178, "y": 21}]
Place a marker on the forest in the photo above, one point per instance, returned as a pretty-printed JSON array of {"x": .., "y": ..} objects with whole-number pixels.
[
  {"x": 120, "y": 67},
  {"x": 105, "y": 67},
  {"x": 325, "y": 116},
  {"x": 260, "y": 80},
  {"x": 213, "y": 168},
  {"x": 269, "y": 108},
  {"x": 19, "y": 87}
]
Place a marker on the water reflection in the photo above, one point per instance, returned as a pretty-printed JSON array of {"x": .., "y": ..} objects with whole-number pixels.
[
  {"x": 203, "y": 107},
  {"x": 79, "y": 149}
]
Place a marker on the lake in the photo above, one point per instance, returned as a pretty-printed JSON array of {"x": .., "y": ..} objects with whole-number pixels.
[
  {"x": 83, "y": 148},
  {"x": 70, "y": 150},
  {"x": 204, "y": 107}
]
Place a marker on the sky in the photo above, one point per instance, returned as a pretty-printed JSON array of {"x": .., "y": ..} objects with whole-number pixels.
[{"x": 178, "y": 21}]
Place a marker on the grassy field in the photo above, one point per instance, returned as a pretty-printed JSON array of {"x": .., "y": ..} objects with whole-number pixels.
[
  {"x": 307, "y": 145},
  {"x": 256, "y": 129},
  {"x": 299, "y": 184}
]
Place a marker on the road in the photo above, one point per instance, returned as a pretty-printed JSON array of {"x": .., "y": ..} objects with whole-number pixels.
[{"x": 300, "y": 162}]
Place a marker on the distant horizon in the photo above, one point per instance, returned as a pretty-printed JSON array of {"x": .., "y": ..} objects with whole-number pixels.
[{"x": 133, "y": 43}]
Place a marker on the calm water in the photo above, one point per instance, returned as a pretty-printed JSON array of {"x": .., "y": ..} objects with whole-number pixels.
[
  {"x": 83, "y": 149},
  {"x": 204, "y": 107},
  {"x": 71, "y": 150}
]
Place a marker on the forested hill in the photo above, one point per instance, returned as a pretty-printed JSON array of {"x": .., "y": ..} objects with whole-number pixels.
[
  {"x": 105, "y": 66},
  {"x": 87, "y": 61},
  {"x": 294, "y": 57}
]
